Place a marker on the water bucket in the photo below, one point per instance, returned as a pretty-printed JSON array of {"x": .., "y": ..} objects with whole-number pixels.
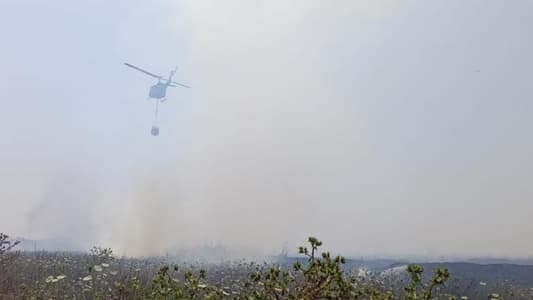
[{"x": 155, "y": 131}]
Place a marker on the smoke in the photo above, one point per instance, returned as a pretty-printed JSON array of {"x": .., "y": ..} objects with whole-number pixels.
[
  {"x": 270, "y": 138},
  {"x": 363, "y": 123}
]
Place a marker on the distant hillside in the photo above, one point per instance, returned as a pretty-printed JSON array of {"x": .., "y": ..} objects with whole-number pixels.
[
  {"x": 488, "y": 273},
  {"x": 469, "y": 274}
]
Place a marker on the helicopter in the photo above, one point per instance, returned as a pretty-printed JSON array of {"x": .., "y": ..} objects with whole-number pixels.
[{"x": 158, "y": 91}]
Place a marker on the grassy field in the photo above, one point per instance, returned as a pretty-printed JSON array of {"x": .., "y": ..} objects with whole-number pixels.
[{"x": 100, "y": 275}]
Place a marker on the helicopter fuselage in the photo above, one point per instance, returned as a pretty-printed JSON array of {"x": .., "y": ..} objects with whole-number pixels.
[{"x": 158, "y": 91}]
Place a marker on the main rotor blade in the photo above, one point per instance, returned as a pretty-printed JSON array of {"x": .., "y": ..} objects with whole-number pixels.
[
  {"x": 173, "y": 83},
  {"x": 144, "y": 71}
]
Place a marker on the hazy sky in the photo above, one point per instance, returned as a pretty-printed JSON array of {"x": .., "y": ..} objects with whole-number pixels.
[{"x": 382, "y": 127}]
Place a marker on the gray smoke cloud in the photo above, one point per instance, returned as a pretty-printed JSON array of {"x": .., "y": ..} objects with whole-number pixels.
[{"x": 384, "y": 128}]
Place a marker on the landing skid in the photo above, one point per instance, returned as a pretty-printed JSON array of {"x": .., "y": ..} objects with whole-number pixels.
[{"x": 156, "y": 99}]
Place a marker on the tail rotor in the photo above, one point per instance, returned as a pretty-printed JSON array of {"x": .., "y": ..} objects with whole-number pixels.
[{"x": 172, "y": 74}]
